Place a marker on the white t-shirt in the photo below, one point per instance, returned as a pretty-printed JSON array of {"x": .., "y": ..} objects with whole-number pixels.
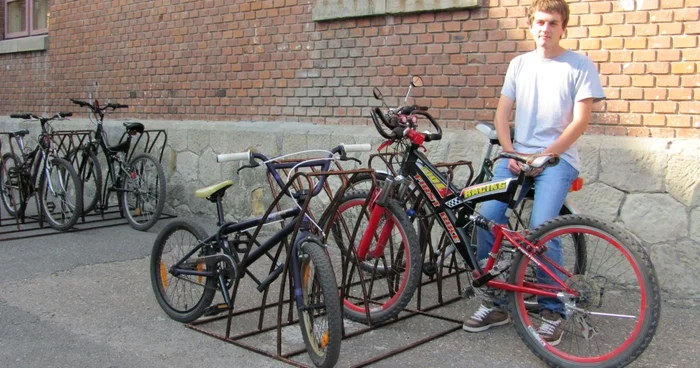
[{"x": 545, "y": 91}]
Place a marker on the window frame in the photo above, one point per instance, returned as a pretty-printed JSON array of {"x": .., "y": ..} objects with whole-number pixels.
[{"x": 29, "y": 21}]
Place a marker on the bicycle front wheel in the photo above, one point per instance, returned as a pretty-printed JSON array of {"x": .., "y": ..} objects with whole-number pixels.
[
  {"x": 90, "y": 172},
  {"x": 60, "y": 194},
  {"x": 143, "y": 192},
  {"x": 615, "y": 311},
  {"x": 11, "y": 181},
  {"x": 381, "y": 286},
  {"x": 183, "y": 297},
  {"x": 320, "y": 317}
]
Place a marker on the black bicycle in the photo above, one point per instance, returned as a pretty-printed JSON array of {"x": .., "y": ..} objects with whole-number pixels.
[
  {"x": 41, "y": 171},
  {"x": 139, "y": 183},
  {"x": 188, "y": 266}
]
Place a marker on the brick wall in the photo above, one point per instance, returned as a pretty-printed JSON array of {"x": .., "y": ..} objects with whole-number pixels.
[{"x": 267, "y": 60}]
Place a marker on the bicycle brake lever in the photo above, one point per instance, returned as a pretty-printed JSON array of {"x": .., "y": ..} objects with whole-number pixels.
[
  {"x": 247, "y": 167},
  {"x": 351, "y": 159}
]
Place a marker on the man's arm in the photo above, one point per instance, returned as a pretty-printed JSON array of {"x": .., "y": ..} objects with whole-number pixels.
[
  {"x": 502, "y": 125},
  {"x": 579, "y": 124}
]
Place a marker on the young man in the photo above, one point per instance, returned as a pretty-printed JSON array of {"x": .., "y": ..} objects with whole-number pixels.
[{"x": 554, "y": 89}]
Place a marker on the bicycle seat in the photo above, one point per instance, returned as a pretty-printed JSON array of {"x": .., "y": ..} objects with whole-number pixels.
[
  {"x": 489, "y": 130},
  {"x": 20, "y": 133},
  {"x": 535, "y": 161},
  {"x": 134, "y": 127},
  {"x": 213, "y": 189}
]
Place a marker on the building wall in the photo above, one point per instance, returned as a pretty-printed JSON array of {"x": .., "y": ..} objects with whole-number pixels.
[{"x": 267, "y": 60}]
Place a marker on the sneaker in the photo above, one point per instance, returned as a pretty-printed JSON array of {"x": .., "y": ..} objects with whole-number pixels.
[
  {"x": 551, "y": 328},
  {"x": 486, "y": 317}
]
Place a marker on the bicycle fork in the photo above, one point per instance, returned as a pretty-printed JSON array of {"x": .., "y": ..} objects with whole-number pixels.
[{"x": 378, "y": 205}]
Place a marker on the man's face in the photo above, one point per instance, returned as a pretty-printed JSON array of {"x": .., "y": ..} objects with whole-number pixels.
[{"x": 547, "y": 29}]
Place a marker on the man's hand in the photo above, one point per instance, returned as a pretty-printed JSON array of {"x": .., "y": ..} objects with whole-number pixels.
[{"x": 513, "y": 166}]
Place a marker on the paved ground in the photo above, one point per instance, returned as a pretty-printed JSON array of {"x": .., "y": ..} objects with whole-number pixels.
[{"x": 84, "y": 299}]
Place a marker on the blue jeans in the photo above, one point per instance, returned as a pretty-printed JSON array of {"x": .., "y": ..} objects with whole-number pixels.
[{"x": 552, "y": 187}]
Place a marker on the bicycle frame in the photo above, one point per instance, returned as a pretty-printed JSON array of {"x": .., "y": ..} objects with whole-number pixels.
[{"x": 454, "y": 208}]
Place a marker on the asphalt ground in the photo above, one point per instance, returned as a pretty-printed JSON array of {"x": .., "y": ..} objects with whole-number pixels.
[{"x": 84, "y": 299}]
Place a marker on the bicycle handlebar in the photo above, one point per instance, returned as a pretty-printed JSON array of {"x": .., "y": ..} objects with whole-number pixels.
[
  {"x": 111, "y": 105},
  {"x": 239, "y": 156}
]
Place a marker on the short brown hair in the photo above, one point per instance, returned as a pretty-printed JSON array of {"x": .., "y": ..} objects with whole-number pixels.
[{"x": 549, "y": 6}]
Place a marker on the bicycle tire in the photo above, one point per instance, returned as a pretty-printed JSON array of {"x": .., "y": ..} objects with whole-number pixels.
[
  {"x": 138, "y": 193},
  {"x": 90, "y": 176},
  {"x": 319, "y": 295},
  {"x": 386, "y": 283},
  {"x": 62, "y": 192},
  {"x": 191, "y": 295},
  {"x": 12, "y": 191},
  {"x": 588, "y": 330}
]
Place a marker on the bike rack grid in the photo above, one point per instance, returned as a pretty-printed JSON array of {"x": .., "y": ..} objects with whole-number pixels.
[{"x": 448, "y": 271}]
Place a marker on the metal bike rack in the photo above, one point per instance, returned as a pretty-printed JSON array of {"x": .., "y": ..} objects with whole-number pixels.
[
  {"x": 424, "y": 308},
  {"x": 30, "y": 226}
]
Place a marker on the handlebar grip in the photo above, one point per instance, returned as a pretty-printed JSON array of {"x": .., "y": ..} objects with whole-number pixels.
[
  {"x": 434, "y": 136},
  {"x": 377, "y": 115},
  {"x": 65, "y": 114},
  {"x": 78, "y": 102},
  {"x": 239, "y": 156},
  {"x": 362, "y": 147},
  {"x": 120, "y": 106},
  {"x": 21, "y": 116}
]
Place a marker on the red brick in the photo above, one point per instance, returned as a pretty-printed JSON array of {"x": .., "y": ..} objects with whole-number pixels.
[
  {"x": 690, "y": 107},
  {"x": 690, "y": 80},
  {"x": 617, "y": 106},
  {"x": 646, "y": 30},
  {"x": 643, "y": 81},
  {"x": 601, "y": 7},
  {"x": 610, "y": 68},
  {"x": 639, "y": 132},
  {"x": 636, "y": 43},
  {"x": 613, "y": 18},
  {"x": 670, "y": 55},
  {"x": 621, "y": 56},
  {"x": 688, "y": 14},
  {"x": 676, "y": 94},
  {"x": 624, "y": 30},
  {"x": 655, "y": 94},
  {"x": 632, "y": 93},
  {"x": 692, "y": 28},
  {"x": 661, "y": 16},
  {"x": 641, "y": 107},
  {"x": 678, "y": 121},
  {"x": 591, "y": 20},
  {"x": 662, "y": 132},
  {"x": 671, "y": 29},
  {"x": 612, "y": 43},
  {"x": 683, "y": 68},
  {"x": 644, "y": 55},
  {"x": 658, "y": 68},
  {"x": 630, "y": 119},
  {"x": 660, "y": 42},
  {"x": 634, "y": 68},
  {"x": 667, "y": 81},
  {"x": 653, "y": 120},
  {"x": 577, "y": 32},
  {"x": 665, "y": 107},
  {"x": 682, "y": 42},
  {"x": 599, "y": 31}
]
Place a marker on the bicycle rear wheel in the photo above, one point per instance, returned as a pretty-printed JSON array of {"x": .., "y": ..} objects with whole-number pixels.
[
  {"x": 183, "y": 297},
  {"x": 143, "y": 195},
  {"x": 387, "y": 282},
  {"x": 60, "y": 194},
  {"x": 320, "y": 317},
  {"x": 615, "y": 313},
  {"x": 11, "y": 181}
]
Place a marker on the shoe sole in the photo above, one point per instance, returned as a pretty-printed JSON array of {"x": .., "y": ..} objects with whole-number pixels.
[
  {"x": 484, "y": 328},
  {"x": 555, "y": 342}
]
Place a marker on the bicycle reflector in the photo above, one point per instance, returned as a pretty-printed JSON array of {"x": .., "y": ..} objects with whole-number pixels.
[{"x": 576, "y": 185}]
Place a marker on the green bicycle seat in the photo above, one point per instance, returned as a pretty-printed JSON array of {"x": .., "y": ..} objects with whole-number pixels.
[{"x": 213, "y": 189}]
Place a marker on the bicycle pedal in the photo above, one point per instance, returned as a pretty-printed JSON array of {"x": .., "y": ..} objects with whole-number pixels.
[
  {"x": 216, "y": 309},
  {"x": 429, "y": 269}
]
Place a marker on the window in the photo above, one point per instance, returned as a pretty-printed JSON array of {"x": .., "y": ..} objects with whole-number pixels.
[
  {"x": 26, "y": 17},
  {"x": 337, "y": 9}
]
